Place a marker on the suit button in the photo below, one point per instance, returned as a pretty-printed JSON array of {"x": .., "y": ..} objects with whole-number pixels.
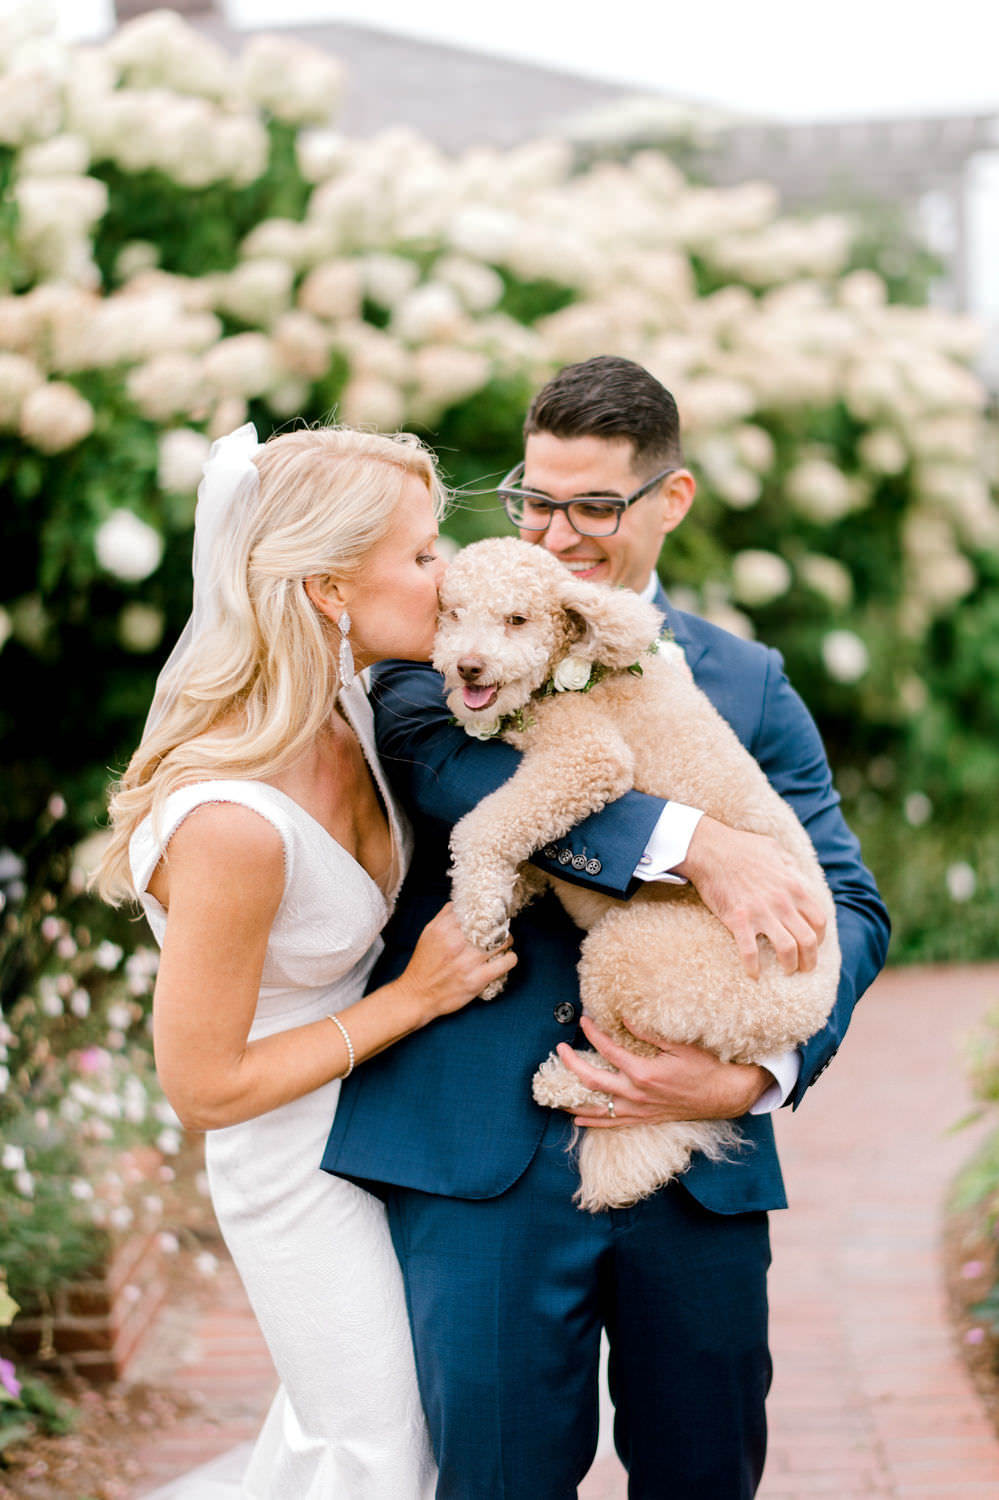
[
  {"x": 579, "y": 861},
  {"x": 564, "y": 856},
  {"x": 564, "y": 1012},
  {"x": 593, "y": 867},
  {"x": 551, "y": 851}
]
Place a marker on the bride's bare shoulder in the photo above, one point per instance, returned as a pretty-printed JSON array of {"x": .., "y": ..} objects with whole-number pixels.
[{"x": 223, "y": 847}]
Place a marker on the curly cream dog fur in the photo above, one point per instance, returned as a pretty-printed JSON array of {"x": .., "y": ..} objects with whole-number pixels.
[{"x": 512, "y": 617}]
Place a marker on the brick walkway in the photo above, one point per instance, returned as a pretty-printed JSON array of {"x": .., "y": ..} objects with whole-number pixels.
[{"x": 870, "y": 1398}]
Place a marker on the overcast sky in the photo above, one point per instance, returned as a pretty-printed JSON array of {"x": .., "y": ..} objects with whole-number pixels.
[
  {"x": 786, "y": 57},
  {"x": 782, "y": 57}
]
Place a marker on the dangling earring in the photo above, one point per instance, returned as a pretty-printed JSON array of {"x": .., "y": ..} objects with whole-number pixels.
[{"x": 346, "y": 662}]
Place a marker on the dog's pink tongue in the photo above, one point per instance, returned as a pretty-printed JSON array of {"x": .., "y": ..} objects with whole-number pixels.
[{"x": 477, "y": 697}]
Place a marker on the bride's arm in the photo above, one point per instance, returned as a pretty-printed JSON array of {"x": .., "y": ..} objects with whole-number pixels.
[{"x": 222, "y": 885}]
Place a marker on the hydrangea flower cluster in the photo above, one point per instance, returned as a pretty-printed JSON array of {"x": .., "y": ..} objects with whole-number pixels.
[{"x": 187, "y": 240}]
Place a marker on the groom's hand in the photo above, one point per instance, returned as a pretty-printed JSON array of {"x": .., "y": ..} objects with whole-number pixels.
[
  {"x": 751, "y": 885},
  {"x": 680, "y": 1082}
]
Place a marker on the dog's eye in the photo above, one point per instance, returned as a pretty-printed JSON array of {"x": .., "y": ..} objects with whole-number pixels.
[
  {"x": 516, "y": 619},
  {"x": 452, "y": 614}
]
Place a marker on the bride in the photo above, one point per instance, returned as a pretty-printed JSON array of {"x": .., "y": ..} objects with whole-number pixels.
[{"x": 255, "y": 827}]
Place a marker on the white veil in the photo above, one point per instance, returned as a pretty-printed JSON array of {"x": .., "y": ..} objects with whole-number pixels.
[{"x": 227, "y": 501}]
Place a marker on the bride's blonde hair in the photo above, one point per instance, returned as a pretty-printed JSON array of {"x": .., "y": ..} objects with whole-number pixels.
[{"x": 256, "y": 689}]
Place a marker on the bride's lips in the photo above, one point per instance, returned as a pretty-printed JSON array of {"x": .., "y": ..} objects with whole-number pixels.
[{"x": 475, "y": 696}]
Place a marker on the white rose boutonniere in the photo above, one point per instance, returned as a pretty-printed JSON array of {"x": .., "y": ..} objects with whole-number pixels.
[
  {"x": 673, "y": 653},
  {"x": 572, "y": 674}
]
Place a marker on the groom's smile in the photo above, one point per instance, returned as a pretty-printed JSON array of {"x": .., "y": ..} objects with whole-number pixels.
[{"x": 582, "y": 467}]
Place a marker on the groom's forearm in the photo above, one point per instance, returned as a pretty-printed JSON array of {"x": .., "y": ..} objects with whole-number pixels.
[{"x": 439, "y": 771}]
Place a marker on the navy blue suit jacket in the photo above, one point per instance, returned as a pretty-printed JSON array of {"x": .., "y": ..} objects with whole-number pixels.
[{"x": 449, "y": 1109}]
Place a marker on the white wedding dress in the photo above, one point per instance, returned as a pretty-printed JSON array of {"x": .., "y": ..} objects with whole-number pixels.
[{"x": 313, "y": 1251}]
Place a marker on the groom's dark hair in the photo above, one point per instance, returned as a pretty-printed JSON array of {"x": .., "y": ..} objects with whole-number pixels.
[{"x": 610, "y": 397}]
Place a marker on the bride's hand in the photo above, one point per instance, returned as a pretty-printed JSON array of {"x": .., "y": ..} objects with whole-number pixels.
[{"x": 446, "y": 971}]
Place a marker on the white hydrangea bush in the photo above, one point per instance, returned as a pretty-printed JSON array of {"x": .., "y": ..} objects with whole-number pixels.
[{"x": 186, "y": 240}]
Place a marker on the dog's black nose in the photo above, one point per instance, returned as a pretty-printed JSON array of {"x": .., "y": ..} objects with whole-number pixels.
[{"x": 470, "y": 668}]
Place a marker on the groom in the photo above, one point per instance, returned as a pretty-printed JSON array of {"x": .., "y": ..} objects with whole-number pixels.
[{"x": 508, "y": 1284}]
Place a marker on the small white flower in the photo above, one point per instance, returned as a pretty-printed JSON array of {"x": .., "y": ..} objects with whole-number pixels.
[
  {"x": 883, "y": 451},
  {"x": 108, "y": 955},
  {"x": 370, "y": 401},
  {"x": 25, "y": 1184},
  {"x": 206, "y": 1263},
  {"x": 168, "y": 1142},
  {"x": 202, "y": 1185},
  {"x": 818, "y": 489},
  {"x": 120, "y": 1015},
  {"x": 169, "y": 1243},
  {"x": 55, "y": 416},
  {"x": 140, "y": 627},
  {"x": 81, "y": 1190},
  {"x": 827, "y": 577},
  {"x": 962, "y": 881},
  {"x": 4, "y": 1079},
  {"x": 13, "y": 1158},
  {"x": 483, "y": 731},
  {"x": 759, "y": 577},
  {"x": 121, "y": 1217},
  {"x": 51, "y": 929},
  {"x": 320, "y": 153},
  {"x": 79, "y": 1003},
  {"x": 152, "y": 1205},
  {"x": 389, "y": 278},
  {"x": 182, "y": 455},
  {"x": 66, "y": 947},
  {"x": 127, "y": 547},
  {"x": 845, "y": 656},
  {"x": 572, "y": 674},
  {"x": 918, "y": 809},
  {"x": 431, "y": 311}
]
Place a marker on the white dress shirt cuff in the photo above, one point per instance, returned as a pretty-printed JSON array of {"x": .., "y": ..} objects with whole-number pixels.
[
  {"x": 668, "y": 844},
  {"x": 785, "y": 1066}
]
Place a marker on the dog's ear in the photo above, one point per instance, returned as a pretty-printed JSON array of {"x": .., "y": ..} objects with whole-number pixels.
[{"x": 612, "y": 626}]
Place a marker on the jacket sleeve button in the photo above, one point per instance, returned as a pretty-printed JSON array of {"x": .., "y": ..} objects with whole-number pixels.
[
  {"x": 564, "y": 1012},
  {"x": 593, "y": 867}
]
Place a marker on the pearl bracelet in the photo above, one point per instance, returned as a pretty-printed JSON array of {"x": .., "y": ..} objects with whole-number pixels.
[{"x": 350, "y": 1045}]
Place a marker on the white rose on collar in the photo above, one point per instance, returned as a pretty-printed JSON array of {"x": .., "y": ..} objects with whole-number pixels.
[
  {"x": 483, "y": 731},
  {"x": 572, "y": 674}
]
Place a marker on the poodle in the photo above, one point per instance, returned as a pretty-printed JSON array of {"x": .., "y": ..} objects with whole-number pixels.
[{"x": 574, "y": 675}]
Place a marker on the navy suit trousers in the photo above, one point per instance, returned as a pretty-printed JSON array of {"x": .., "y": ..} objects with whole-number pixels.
[{"x": 507, "y": 1297}]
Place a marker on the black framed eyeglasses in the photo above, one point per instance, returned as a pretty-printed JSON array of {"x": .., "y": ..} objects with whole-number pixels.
[{"x": 592, "y": 515}]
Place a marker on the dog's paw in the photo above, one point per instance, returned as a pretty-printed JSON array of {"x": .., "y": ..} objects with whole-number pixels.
[
  {"x": 557, "y": 1087},
  {"x": 484, "y": 917},
  {"x": 494, "y": 988}
]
